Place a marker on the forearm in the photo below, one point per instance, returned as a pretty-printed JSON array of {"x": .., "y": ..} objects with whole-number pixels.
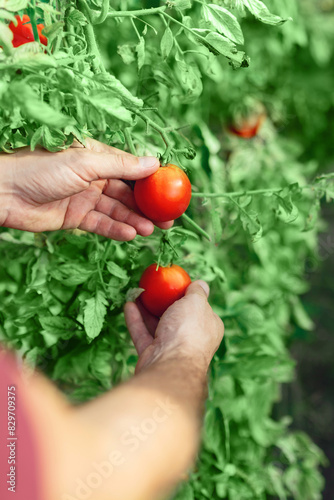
[
  {"x": 5, "y": 191},
  {"x": 148, "y": 429}
]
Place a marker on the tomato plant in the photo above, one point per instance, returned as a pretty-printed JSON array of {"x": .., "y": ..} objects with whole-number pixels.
[
  {"x": 166, "y": 78},
  {"x": 23, "y": 31},
  {"x": 162, "y": 287},
  {"x": 165, "y": 195}
]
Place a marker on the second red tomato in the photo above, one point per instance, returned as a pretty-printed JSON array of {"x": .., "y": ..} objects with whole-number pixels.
[{"x": 163, "y": 287}]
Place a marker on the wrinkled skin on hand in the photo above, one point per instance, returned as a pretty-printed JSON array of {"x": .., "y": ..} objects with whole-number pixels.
[
  {"x": 188, "y": 328},
  {"x": 76, "y": 188}
]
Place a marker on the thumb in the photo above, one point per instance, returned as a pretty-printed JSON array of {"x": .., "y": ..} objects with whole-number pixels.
[
  {"x": 94, "y": 165},
  {"x": 198, "y": 288}
]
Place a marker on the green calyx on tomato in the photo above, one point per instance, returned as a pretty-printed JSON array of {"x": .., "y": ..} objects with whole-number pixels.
[
  {"x": 23, "y": 32},
  {"x": 162, "y": 287},
  {"x": 164, "y": 195}
]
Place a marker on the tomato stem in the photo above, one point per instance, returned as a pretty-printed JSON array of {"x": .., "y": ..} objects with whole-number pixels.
[
  {"x": 129, "y": 140},
  {"x": 196, "y": 226},
  {"x": 136, "y": 13},
  {"x": 103, "y": 14},
  {"x": 236, "y": 193},
  {"x": 31, "y": 14}
]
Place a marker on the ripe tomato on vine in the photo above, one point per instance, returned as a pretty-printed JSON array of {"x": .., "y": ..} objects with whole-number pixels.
[
  {"x": 163, "y": 286},
  {"x": 164, "y": 195}
]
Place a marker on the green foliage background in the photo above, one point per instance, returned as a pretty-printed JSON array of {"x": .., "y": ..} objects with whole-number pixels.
[{"x": 169, "y": 82}]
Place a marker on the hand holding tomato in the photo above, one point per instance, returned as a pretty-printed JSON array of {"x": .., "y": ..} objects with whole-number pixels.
[
  {"x": 188, "y": 329},
  {"x": 75, "y": 188}
]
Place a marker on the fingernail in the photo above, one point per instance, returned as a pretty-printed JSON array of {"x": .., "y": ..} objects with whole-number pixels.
[
  {"x": 205, "y": 287},
  {"x": 148, "y": 161}
]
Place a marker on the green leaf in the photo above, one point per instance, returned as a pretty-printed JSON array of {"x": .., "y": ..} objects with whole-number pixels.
[
  {"x": 140, "y": 49},
  {"x": 288, "y": 212},
  {"x": 127, "y": 53},
  {"x": 95, "y": 311},
  {"x": 32, "y": 61},
  {"x": 224, "y": 22},
  {"x": 190, "y": 79},
  {"x": 185, "y": 492},
  {"x": 117, "y": 271},
  {"x": 6, "y": 37},
  {"x": 111, "y": 82},
  {"x": 216, "y": 224},
  {"x": 58, "y": 325},
  {"x": 4, "y": 14},
  {"x": 226, "y": 47},
  {"x": 14, "y": 5},
  {"x": 167, "y": 42},
  {"x": 77, "y": 18},
  {"x": 181, "y": 4},
  {"x": 301, "y": 317},
  {"x": 35, "y": 109},
  {"x": 261, "y": 12},
  {"x": 72, "y": 273},
  {"x": 52, "y": 31},
  {"x": 110, "y": 105},
  {"x": 250, "y": 221}
]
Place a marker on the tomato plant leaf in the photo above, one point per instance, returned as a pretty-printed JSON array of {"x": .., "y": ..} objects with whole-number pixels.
[
  {"x": 95, "y": 311},
  {"x": 77, "y": 18},
  {"x": 226, "y": 47},
  {"x": 224, "y": 22},
  {"x": 117, "y": 271},
  {"x": 140, "y": 49},
  {"x": 262, "y": 13},
  {"x": 14, "y": 5},
  {"x": 167, "y": 42}
]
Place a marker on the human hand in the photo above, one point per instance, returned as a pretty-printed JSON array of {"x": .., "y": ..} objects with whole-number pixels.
[
  {"x": 76, "y": 188},
  {"x": 189, "y": 328}
]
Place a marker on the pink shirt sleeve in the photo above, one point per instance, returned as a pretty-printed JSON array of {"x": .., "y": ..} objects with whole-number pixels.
[{"x": 18, "y": 448}]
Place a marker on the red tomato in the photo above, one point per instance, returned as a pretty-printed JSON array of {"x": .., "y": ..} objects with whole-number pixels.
[
  {"x": 164, "y": 195},
  {"x": 247, "y": 128},
  {"x": 23, "y": 32},
  {"x": 163, "y": 287}
]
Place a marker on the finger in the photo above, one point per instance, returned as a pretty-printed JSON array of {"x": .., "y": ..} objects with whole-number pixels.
[
  {"x": 98, "y": 147},
  {"x": 164, "y": 225},
  {"x": 150, "y": 321},
  {"x": 90, "y": 165},
  {"x": 120, "y": 191},
  {"x": 98, "y": 223},
  {"x": 136, "y": 326},
  {"x": 119, "y": 212},
  {"x": 198, "y": 288}
]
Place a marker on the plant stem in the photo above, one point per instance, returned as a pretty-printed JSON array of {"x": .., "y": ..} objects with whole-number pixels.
[
  {"x": 98, "y": 264},
  {"x": 31, "y": 14},
  {"x": 196, "y": 226},
  {"x": 136, "y": 13},
  {"x": 236, "y": 193},
  {"x": 129, "y": 140},
  {"x": 83, "y": 7},
  {"x": 103, "y": 14},
  {"x": 185, "y": 27},
  {"x": 93, "y": 48},
  {"x": 155, "y": 126},
  {"x": 91, "y": 40}
]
